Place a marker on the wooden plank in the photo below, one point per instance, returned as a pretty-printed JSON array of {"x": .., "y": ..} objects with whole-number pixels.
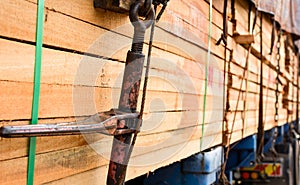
[
  {"x": 156, "y": 122},
  {"x": 63, "y": 68},
  {"x": 20, "y": 95},
  {"x": 84, "y": 35},
  {"x": 169, "y": 100},
  {"x": 243, "y": 39},
  {"x": 98, "y": 175},
  {"x": 56, "y": 165}
]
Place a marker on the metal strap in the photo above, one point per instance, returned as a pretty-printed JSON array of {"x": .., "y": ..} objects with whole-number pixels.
[
  {"x": 36, "y": 91},
  {"x": 206, "y": 72}
]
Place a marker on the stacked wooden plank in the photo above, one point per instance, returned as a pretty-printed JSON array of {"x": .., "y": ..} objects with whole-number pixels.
[
  {"x": 244, "y": 112},
  {"x": 83, "y": 61}
]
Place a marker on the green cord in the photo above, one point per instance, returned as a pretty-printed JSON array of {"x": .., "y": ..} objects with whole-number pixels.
[
  {"x": 36, "y": 88},
  {"x": 206, "y": 72}
]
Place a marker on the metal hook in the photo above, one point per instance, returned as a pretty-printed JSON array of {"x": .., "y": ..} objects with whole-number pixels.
[
  {"x": 145, "y": 7},
  {"x": 136, "y": 21}
]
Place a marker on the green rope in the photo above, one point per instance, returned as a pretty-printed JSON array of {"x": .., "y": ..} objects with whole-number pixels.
[
  {"x": 36, "y": 88},
  {"x": 206, "y": 72}
]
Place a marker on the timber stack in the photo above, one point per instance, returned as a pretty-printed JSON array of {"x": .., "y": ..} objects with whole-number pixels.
[{"x": 200, "y": 94}]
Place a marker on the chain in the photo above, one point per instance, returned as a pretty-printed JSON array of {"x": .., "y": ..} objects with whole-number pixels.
[
  {"x": 156, "y": 3},
  {"x": 278, "y": 57}
]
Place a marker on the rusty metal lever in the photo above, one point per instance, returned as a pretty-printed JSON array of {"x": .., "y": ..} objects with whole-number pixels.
[
  {"x": 122, "y": 148},
  {"x": 104, "y": 122}
]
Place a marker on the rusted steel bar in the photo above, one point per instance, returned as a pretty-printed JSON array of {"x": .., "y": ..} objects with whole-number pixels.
[
  {"x": 105, "y": 123},
  {"x": 121, "y": 150},
  {"x": 128, "y": 103}
]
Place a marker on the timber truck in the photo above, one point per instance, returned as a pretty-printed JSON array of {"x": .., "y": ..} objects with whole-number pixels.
[{"x": 150, "y": 92}]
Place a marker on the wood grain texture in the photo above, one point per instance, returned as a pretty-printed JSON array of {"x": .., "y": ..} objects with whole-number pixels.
[{"x": 83, "y": 62}]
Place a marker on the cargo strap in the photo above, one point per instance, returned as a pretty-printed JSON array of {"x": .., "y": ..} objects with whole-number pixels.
[
  {"x": 243, "y": 78},
  {"x": 245, "y": 106},
  {"x": 273, "y": 35},
  {"x": 206, "y": 72},
  {"x": 245, "y": 75},
  {"x": 36, "y": 90},
  {"x": 225, "y": 26},
  {"x": 146, "y": 78},
  {"x": 261, "y": 123},
  {"x": 117, "y": 122},
  {"x": 224, "y": 35}
]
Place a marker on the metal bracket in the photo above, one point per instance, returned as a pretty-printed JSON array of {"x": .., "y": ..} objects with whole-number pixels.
[
  {"x": 109, "y": 123},
  {"x": 114, "y": 5},
  {"x": 243, "y": 39},
  {"x": 122, "y": 6}
]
